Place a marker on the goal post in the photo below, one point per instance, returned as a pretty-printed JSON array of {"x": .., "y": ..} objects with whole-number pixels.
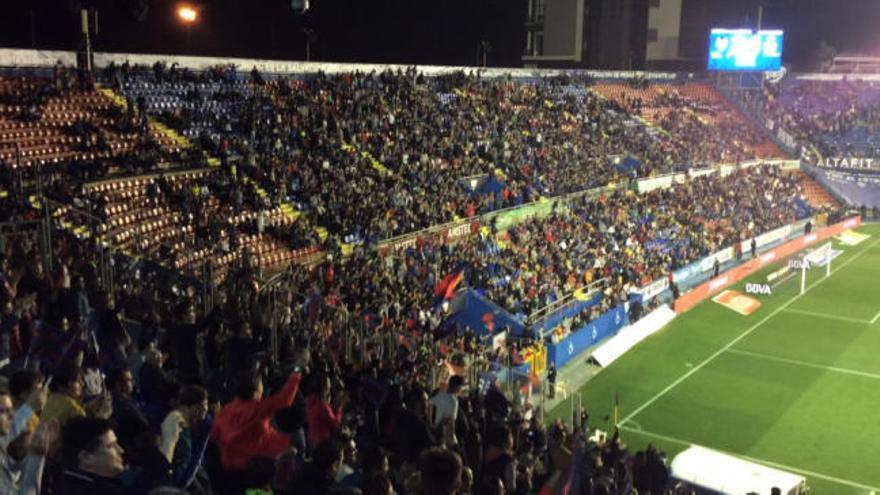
[{"x": 817, "y": 256}]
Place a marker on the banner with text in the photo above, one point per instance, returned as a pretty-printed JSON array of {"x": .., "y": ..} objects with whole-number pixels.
[
  {"x": 652, "y": 290},
  {"x": 852, "y": 163},
  {"x": 715, "y": 285}
]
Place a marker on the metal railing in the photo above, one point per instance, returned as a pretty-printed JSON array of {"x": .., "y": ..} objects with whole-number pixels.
[
  {"x": 116, "y": 263},
  {"x": 14, "y": 231},
  {"x": 543, "y": 314}
]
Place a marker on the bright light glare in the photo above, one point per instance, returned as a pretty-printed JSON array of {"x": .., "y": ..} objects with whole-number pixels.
[{"x": 187, "y": 13}]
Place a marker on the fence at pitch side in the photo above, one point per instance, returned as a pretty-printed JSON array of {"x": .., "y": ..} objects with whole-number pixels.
[
  {"x": 580, "y": 340},
  {"x": 716, "y": 284}
]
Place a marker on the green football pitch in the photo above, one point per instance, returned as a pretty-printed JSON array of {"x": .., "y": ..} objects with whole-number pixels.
[{"x": 795, "y": 385}]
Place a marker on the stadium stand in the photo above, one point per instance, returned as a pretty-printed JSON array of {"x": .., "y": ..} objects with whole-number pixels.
[
  {"x": 400, "y": 131},
  {"x": 697, "y": 117},
  {"x": 212, "y": 190},
  {"x": 830, "y": 121},
  {"x": 830, "y": 118},
  {"x": 815, "y": 194},
  {"x": 42, "y": 127}
]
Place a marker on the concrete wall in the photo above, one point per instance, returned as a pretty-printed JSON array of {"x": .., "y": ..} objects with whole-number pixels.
[
  {"x": 666, "y": 19},
  {"x": 561, "y": 27}
]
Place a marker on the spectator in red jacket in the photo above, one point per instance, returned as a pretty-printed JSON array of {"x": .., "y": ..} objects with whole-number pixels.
[
  {"x": 323, "y": 415},
  {"x": 242, "y": 429}
]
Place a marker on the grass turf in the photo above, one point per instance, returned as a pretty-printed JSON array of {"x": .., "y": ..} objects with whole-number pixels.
[{"x": 795, "y": 384}]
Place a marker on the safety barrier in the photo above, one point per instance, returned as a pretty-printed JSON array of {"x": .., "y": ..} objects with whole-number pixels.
[{"x": 724, "y": 280}]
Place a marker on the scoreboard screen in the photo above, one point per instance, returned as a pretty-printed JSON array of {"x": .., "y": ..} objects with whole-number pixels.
[{"x": 745, "y": 50}]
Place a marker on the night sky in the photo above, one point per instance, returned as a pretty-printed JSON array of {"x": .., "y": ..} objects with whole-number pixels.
[
  {"x": 850, "y": 26},
  {"x": 445, "y": 32}
]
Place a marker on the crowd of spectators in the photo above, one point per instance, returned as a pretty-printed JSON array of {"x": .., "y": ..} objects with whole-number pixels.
[
  {"x": 833, "y": 118},
  {"x": 131, "y": 392},
  {"x": 697, "y": 124},
  {"x": 372, "y": 156},
  {"x": 339, "y": 380},
  {"x": 616, "y": 243}
]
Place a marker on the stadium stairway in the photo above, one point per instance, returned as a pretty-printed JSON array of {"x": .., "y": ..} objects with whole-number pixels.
[
  {"x": 375, "y": 163},
  {"x": 112, "y": 95},
  {"x": 170, "y": 134},
  {"x": 167, "y": 132},
  {"x": 287, "y": 209}
]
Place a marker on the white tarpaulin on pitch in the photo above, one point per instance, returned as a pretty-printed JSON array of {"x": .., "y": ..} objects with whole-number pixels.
[{"x": 628, "y": 337}]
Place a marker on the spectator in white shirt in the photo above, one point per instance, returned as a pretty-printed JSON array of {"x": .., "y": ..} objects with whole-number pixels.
[{"x": 445, "y": 402}]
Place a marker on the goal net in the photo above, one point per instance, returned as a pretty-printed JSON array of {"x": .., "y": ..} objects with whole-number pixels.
[{"x": 817, "y": 257}]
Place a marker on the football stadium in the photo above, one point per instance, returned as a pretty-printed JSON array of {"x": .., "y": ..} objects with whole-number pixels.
[
  {"x": 756, "y": 384},
  {"x": 491, "y": 247}
]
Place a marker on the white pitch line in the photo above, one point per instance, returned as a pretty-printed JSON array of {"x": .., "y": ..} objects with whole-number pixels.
[
  {"x": 826, "y": 316},
  {"x": 740, "y": 337},
  {"x": 805, "y": 364},
  {"x": 875, "y": 318},
  {"x": 777, "y": 465}
]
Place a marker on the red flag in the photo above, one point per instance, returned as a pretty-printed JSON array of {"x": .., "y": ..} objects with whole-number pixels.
[
  {"x": 443, "y": 285},
  {"x": 450, "y": 290}
]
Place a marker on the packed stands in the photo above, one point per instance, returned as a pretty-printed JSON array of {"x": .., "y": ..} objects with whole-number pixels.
[
  {"x": 836, "y": 118},
  {"x": 417, "y": 151},
  {"x": 371, "y": 388},
  {"x": 706, "y": 128},
  {"x": 831, "y": 122}
]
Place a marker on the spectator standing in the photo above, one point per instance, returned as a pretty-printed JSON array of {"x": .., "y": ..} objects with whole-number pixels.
[
  {"x": 319, "y": 476},
  {"x": 441, "y": 472},
  {"x": 65, "y": 399},
  {"x": 247, "y": 441},
  {"x": 445, "y": 402},
  {"x": 498, "y": 460},
  {"x": 24, "y": 477},
  {"x": 323, "y": 415},
  {"x": 189, "y": 453}
]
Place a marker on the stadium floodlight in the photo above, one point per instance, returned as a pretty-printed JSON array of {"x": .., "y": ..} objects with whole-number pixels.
[
  {"x": 187, "y": 13},
  {"x": 818, "y": 256},
  {"x": 300, "y": 7}
]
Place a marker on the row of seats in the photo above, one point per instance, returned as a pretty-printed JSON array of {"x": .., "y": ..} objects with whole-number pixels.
[
  {"x": 50, "y": 128},
  {"x": 142, "y": 227},
  {"x": 657, "y": 102}
]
